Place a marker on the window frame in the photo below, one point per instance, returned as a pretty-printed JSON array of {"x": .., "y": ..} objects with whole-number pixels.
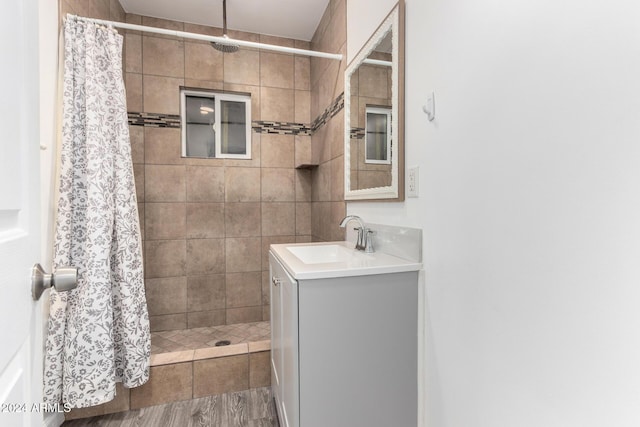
[
  {"x": 217, "y": 97},
  {"x": 385, "y": 111}
]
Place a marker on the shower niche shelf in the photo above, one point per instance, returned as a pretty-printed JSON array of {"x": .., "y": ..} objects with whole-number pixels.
[{"x": 307, "y": 166}]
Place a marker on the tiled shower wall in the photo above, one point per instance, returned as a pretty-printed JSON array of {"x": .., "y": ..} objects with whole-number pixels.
[
  {"x": 208, "y": 223},
  {"x": 327, "y": 84}
]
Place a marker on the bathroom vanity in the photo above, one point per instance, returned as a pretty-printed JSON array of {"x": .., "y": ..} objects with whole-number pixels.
[{"x": 344, "y": 336}]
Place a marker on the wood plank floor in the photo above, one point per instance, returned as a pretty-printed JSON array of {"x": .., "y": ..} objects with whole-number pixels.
[{"x": 248, "y": 408}]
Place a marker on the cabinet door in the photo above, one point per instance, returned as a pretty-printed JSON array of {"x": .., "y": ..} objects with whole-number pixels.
[
  {"x": 290, "y": 390},
  {"x": 349, "y": 376},
  {"x": 284, "y": 343},
  {"x": 276, "y": 334}
]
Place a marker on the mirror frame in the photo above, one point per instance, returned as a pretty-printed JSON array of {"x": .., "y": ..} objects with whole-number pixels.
[{"x": 394, "y": 22}]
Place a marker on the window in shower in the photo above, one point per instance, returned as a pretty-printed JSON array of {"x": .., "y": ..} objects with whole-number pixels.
[
  {"x": 378, "y": 135},
  {"x": 215, "y": 124}
]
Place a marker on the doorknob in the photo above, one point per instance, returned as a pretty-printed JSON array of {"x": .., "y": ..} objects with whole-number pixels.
[{"x": 64, "y": 279}]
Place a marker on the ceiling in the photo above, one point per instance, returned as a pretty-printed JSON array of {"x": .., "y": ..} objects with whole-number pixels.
[{"x": 297, "y": 19}]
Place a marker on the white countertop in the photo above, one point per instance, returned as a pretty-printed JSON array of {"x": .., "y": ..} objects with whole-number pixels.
[{"x": 350, "y": 262}]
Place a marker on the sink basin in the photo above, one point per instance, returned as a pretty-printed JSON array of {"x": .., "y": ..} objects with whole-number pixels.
[
  {"x": 336, "y": 259},
  {"x": 321, "y": 254}
]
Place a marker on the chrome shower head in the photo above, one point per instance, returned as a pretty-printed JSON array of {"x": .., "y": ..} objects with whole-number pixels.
[{"x": 224, "y": 47}]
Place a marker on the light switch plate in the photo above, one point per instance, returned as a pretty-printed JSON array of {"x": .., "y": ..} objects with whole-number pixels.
[{"x": 413, "y": 177}]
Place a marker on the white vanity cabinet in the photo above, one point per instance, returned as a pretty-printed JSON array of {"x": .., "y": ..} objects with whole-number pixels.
[
  {"x": 284, "y": 343},
  {"x": 343, "y": 349}
]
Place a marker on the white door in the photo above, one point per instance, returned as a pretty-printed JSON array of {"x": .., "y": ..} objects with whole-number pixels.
[{"x": 20, "y": 372}]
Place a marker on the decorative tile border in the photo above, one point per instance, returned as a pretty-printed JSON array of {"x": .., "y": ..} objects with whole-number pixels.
[
  {"x": 154, "y": 120},
  {"x": 357, "y": 133},
  {"x": 336, "y": 106},
  {"x": 173, "y": 121},
  {"x": 281, "y": 128},
  {"x": 258, "y": 126}
]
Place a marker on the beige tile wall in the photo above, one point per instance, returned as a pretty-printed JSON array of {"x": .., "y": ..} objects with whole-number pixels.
[
  {"x": 208, "y": 222},
  {"x": 99, "y": 9},
  {"x": 327, "y": 144}
]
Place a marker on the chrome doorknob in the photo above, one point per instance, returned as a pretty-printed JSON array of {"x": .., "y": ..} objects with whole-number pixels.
[{"x": 64, "y": 279}]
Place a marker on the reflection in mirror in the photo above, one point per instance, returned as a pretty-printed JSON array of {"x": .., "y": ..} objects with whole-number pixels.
[
  {"x": 377, "y": 136},
  {"x": 373, "y": 122},
  {"x": 371, "y": 138}
]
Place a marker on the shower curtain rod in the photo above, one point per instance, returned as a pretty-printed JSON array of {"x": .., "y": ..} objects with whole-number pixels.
[
  {"x": 221, "y": 40},
  {"x": 378, "y": 62}
]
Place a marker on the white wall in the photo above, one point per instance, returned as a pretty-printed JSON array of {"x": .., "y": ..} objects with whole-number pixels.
[
  {"x": 366, "y": 15},
  {"x": 530, "y": 206}
]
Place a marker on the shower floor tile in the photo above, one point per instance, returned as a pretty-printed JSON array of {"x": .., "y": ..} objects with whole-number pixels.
[{"x": 193, "y": 339}]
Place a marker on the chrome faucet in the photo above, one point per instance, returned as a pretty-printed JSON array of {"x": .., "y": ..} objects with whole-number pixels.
[{"x": 364, "y": 242}]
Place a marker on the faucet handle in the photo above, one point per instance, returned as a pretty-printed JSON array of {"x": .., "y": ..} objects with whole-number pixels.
[
  {"x": 360, "y": 241},
  {"x": 368, "y": 242}
]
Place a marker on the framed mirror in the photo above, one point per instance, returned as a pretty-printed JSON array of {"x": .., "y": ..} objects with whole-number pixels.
[{"x": 374, "y": 115}]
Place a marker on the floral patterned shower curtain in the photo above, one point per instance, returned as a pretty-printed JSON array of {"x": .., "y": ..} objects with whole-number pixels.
[{"x": 98, "y": 333}]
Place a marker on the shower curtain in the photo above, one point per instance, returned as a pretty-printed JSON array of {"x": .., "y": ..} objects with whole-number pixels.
[{"x": 98, "y": 334}]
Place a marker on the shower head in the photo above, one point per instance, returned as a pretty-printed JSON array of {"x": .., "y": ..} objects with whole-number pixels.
[{"x": 224, "y": 47}]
